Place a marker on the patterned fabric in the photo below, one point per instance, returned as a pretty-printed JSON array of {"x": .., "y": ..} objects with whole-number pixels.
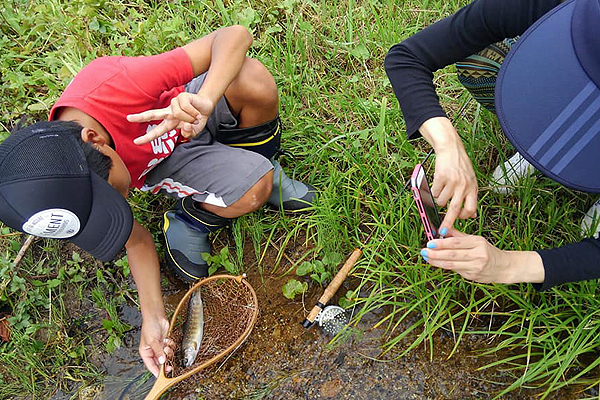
[{"x": 479, "y": 71}]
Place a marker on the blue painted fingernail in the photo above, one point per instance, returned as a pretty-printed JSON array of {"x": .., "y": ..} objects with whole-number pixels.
[
  {"x": 424, "y": 252},
  {"x": 443, "y": 231},
  {"x": 430, "y": 245},
  {"x": 426, "y": 258}
]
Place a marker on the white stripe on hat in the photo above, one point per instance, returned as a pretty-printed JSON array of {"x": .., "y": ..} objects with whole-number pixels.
[
  {"x": 572, "y": 130},
  {"x": 576, "y": 149}
]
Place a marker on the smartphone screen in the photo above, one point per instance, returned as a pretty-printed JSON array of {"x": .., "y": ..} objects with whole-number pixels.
[{"x": 425, "y": 202}]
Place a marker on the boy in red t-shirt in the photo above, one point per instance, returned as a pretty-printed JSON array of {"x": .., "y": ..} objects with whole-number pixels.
[{"x": 180, "y": 123}]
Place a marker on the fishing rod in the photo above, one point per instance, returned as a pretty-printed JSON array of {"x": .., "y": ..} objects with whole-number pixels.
[{"x": 332, "y": 318}]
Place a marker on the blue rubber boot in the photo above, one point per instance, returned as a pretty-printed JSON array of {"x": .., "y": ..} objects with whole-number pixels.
[{"x": 186, "y": 229}]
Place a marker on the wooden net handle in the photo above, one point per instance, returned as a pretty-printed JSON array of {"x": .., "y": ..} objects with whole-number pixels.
[{"x": 334, "y": 285}]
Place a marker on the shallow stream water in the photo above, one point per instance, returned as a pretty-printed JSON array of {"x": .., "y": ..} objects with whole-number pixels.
[{"x": 283, "y": 360}]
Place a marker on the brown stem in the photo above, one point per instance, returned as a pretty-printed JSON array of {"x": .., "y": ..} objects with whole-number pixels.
[{"x": 24, "y": 248}]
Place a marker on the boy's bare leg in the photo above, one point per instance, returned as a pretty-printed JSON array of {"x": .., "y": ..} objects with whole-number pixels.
[
  {"x": 254, "y": 198},
  {"x": 253, "y": 98}
]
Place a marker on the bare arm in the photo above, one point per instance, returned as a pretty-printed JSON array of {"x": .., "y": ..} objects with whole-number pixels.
[
  {"x": 221, "y": 54},
  {"x": 145, "y": 269},
  {"x": 143, "y": 262}
]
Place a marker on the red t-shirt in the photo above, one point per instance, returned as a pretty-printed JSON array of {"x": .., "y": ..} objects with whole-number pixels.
[{"x": 109, "y": 88}]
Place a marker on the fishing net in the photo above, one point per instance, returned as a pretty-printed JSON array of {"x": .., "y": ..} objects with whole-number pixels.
[{"x": 230, "y": 311}]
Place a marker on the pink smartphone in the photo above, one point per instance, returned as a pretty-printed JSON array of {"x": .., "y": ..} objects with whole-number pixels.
[{"x": 425, "y": 203}]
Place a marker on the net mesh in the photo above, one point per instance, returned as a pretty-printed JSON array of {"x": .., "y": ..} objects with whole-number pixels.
[{"x": 229, "y": 308}]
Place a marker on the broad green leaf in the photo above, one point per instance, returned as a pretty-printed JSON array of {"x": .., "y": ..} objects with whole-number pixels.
[
  {"x": 293, "y": 287},
  {"x": 305, "y": 268}
]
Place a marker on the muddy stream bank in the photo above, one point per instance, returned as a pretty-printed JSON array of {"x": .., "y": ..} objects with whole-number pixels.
[{"x": 283, "y": 360}]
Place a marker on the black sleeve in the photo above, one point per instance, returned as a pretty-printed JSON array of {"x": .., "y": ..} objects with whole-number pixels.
[
  {"x": 410, "y": 64},
  {"x": 570, "y": 263}
]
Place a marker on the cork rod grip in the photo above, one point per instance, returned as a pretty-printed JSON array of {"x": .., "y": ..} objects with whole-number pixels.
[{"x": 335, "y": 284}]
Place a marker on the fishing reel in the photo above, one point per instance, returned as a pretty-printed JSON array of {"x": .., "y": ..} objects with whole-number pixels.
[{"x": 332, "y": 319}]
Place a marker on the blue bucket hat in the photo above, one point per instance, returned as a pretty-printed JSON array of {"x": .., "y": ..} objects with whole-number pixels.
[{"x": 548, "y": 95}]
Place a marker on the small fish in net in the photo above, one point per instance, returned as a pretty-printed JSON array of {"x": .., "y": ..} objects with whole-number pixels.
[
  {"x": 228, "y": 309},
  {"x": 193, "y": 329}
]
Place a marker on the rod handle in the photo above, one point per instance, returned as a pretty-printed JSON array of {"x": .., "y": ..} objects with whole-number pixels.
[{"x": 333, "y": 286}]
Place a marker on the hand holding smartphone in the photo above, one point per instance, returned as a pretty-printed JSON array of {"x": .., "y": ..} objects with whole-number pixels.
[{"x": 425, "y": 203}]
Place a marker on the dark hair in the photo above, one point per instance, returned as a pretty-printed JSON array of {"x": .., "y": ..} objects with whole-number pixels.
[{"x": 97, "y": 162}]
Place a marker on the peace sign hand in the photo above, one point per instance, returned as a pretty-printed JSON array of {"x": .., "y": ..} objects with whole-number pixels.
[{"x": 187, "y": 112}]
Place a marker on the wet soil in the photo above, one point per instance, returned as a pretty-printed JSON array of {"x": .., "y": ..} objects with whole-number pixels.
[{"x": 283, "y": 360}]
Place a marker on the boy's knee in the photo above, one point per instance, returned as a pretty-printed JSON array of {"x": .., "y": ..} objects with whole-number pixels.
[
  {"x": 252, "y": 200},
  {"x": 261, "y": 191},
  {"x": 257, "y": 195},
  {"x": 257, "y": 85}
]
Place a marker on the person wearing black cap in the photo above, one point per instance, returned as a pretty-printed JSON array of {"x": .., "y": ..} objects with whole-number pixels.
[
  {"x": 547, "y": 99},
  {"x": 54, "y": 185},
  {"x": 179, "y": 123}
]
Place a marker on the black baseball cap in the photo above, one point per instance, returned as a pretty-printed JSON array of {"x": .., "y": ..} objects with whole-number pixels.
[
  {"x": 48, "y": 190},
  {"x": 548, "y": 94}
]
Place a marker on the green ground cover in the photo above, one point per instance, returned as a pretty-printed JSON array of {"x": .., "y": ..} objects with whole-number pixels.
[{"x": 344, "y": 126}]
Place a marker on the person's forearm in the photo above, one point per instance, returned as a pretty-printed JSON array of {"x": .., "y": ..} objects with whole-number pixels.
[
  {"x": 440, "y": 134},
  {"x": 145, "y": 269},
  {"x": 410, "y": 64},
  {"x": 522, "y": 266},
  {"x": 227, "y": 55}
]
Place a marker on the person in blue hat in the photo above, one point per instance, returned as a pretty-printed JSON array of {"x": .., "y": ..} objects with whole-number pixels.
[{"x": 535, "y": 63}]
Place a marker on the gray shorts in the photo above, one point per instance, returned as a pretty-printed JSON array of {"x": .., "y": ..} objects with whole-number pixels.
[{"x": 210, "y": 171}]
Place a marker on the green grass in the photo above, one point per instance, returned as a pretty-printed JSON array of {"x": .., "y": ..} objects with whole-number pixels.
[{"x": 344, "y": 126}]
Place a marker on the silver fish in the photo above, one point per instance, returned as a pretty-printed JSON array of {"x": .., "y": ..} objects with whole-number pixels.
[{"x": 193, "y": 329}]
